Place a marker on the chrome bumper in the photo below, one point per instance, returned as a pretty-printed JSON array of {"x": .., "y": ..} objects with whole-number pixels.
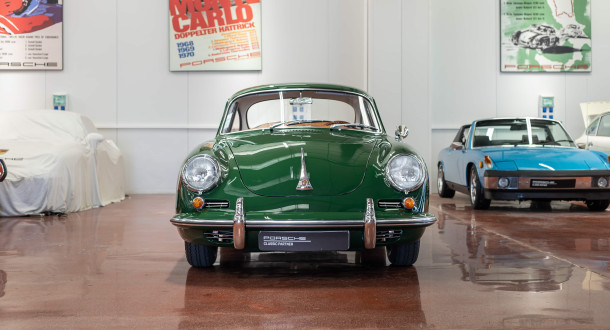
[{"x": 369, "y": 224}]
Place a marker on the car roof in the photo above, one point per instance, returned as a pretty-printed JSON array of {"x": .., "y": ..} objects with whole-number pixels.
[
  {"x": 515, "y": 118},
  {"x": 297, "y": 86}
]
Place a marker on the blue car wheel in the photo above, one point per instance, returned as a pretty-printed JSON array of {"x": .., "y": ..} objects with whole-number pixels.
[
  {"x": 443, "y": 190},
  {"x": 477, "y": 199}
]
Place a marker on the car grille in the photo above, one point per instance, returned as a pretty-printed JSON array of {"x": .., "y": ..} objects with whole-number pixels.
[
  {"x": 219, "y": 236},
  {"x": 389, "y": 203},
  {"x": 216, "y": 204},
  {"x": 388, "y": 235}
]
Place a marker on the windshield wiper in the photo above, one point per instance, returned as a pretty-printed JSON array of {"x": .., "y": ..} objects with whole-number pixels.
[
  {"x": 555, "y": 142},
  {"x": 278, "y": 124},
  {"x": 296, "y": 122},
  {"x": 355, "y": 125}
]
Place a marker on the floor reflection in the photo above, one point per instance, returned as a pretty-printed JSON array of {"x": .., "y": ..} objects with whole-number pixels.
[
  {"x": 567, "y": 230},
  {"x": 492, "y": 260},
  {"x": 297, "y": 290}
]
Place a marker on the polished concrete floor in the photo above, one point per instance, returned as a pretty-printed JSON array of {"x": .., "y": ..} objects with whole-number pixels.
[{"x": 123, "y": 266}]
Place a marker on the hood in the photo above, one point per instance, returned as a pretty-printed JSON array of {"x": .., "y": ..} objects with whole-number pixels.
[
  {"x": 270, "y": 162},
  {"x": 544, "y": 158}
]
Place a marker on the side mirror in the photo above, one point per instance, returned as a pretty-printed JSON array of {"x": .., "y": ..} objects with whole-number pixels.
[
  {"x": 401, "y": 132},
  {"x": 457, "y": 146}
]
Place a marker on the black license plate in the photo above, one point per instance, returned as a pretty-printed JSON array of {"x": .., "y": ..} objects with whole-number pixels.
[
  {"x": 303, "y": 240},
  {"x": 561, "y": 183}
]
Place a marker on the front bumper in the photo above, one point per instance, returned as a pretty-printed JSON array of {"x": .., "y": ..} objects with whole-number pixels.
[
  {"x": 238, "y": 227},
  {"x": 558, "y": 185}
]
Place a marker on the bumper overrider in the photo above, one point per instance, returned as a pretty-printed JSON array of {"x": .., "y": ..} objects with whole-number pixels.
[
  {"x": 561, "y": 185},
  {"x": 369, "y": 224}
]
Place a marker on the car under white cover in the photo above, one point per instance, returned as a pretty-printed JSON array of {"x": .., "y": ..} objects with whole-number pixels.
[{"x": 56, "y": 162}]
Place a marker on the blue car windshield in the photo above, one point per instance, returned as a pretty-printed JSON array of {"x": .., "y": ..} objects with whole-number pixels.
[{"x": 515, "y": 132}]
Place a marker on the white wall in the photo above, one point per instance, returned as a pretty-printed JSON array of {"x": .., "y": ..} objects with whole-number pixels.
[
  {"x": 116, "y": 71},
  {"x": 399, "y": 52}
]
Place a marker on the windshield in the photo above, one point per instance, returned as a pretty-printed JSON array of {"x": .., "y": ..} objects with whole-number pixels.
[
  {"x": 301, "y": 108},
  {"x": 513, "y": 132}
]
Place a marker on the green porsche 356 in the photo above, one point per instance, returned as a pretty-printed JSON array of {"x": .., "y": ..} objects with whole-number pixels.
[{"x": 302, "y": 167}]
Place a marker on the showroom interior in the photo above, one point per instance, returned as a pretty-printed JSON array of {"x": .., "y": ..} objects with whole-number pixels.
[{"x": 432, "y": 65}]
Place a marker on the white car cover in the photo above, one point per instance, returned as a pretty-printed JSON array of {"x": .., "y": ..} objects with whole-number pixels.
[{"x": 57, "y": 162}]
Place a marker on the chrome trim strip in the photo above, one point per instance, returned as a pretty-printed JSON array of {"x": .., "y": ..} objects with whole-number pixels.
[
  {"x": 239, "y": 225},
  {"x": 423, "y": 220},
  {"x": 176, "y": 221},
  {"x": 370, "y": 225}
]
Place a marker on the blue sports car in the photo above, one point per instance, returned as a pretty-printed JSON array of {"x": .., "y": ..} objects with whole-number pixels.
[{"x": 522, "y": 159}]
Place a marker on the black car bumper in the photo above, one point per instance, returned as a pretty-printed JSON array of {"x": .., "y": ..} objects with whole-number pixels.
[{"x": 556, "y": 185}]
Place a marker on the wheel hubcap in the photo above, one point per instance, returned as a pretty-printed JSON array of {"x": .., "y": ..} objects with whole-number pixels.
[
  {"x": 473, "y": 187},
  {"x": 439, "y": 180}
]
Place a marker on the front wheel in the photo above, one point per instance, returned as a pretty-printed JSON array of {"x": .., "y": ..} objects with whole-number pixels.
[
  {"x": 441, "y": 184},
  {"x": 597, "y": 206},
  {"x": 200, "y": 255},
  {"x": 477, "y": 199},
  {"x": 403, "y": 255}
]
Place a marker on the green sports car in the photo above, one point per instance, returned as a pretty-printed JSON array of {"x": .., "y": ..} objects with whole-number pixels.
[{"x": 302, "y": 167}]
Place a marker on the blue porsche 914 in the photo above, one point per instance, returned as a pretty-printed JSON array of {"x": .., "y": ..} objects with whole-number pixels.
[{"x": 522, "y": 159}]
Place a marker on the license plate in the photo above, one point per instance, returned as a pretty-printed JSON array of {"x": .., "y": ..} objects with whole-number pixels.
[
  {"x": 303, "y": 240},
  {"x": 565, "y": 183}
]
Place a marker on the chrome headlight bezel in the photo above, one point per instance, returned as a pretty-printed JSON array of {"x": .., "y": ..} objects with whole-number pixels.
[
  {"x": 199, "y": 163},
  {"x": 413, "y": 162}
]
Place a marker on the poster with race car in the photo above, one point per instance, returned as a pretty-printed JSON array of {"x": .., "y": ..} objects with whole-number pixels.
[
  {"x": 214, "y": 35},
  {"x": 31, "y": 34},
  {"x": 545, "y": 35}
]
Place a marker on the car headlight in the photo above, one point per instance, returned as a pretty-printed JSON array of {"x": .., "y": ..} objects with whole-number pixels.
[
  {"x": 405, "y": 172},
  {"x": 201, "y": 173}
]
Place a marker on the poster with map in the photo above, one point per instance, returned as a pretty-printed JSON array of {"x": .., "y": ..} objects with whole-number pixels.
[{"x": 545, "y": 35}]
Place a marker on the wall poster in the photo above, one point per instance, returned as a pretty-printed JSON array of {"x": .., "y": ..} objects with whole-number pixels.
[
  {"x": 31, "y": 34},
  {"x": 207, "y": 35},
  {"x": 545, "y": 35}
]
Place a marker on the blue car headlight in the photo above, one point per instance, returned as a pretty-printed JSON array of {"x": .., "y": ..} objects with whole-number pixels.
[
  {"x": 201, "y": 173},
  {"x": 405, "y": 172}
]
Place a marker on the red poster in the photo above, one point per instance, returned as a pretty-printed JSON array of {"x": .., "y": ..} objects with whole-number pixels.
[{"x": 215, "y": 35}]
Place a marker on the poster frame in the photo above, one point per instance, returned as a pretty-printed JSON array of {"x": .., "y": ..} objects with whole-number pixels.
[
  {"x": 547, "y": 60},
  {"x": 45, "y": 46}
]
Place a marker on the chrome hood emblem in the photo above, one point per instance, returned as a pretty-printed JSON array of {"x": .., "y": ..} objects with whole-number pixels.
[{"x": 304, "y": 183}]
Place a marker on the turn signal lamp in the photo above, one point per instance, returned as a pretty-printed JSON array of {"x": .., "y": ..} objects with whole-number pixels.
[
  {"x": 198, "y": 203},
  {"x": 408, "y": 203},
  {"x": 488, "y": 162}
]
